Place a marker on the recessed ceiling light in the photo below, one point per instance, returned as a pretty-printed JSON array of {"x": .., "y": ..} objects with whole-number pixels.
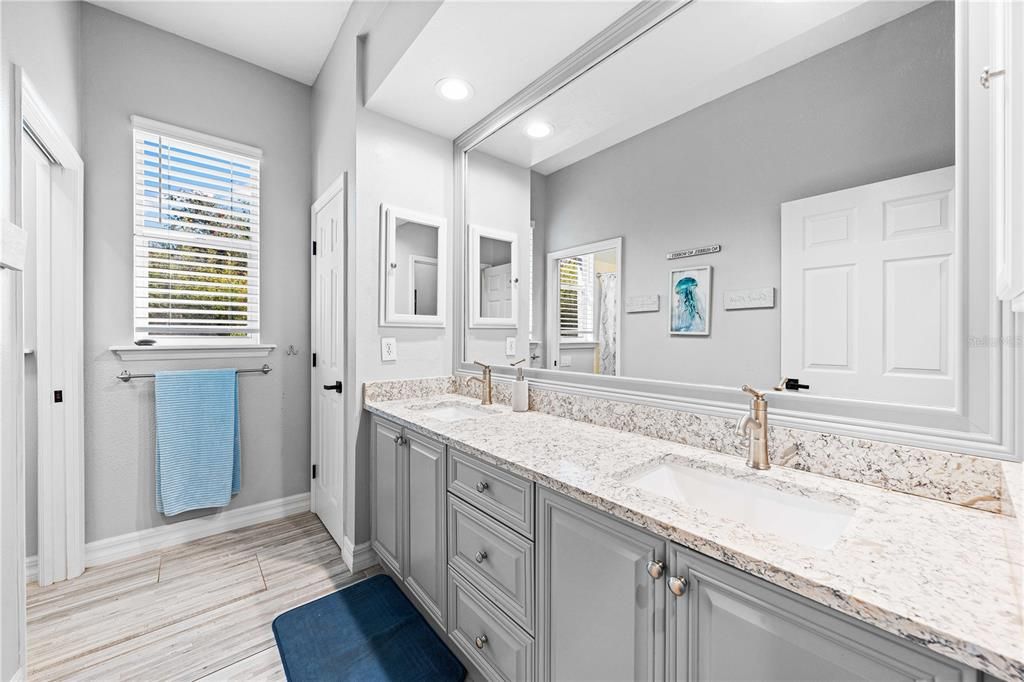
[
  {"x": 454, "y": 89},
  {"x": 539, "y": 129}
]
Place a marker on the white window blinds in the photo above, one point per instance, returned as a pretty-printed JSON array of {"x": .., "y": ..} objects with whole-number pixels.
[
  {"x": 197, "y": 245},
  {"x": 576, "y": 297}
]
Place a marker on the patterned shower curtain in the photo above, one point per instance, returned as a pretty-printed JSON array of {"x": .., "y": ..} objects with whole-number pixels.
[{"x": 608, "y": 319}]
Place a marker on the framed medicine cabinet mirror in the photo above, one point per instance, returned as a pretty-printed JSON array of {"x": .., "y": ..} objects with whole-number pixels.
[
  {"x": 413, "y": 268},
  {"x": 832, "y": 164}
]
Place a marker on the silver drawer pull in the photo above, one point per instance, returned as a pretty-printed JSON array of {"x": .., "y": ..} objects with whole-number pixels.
[
  {"x": 655, "y": 569},
  {"x": 399, "y": 440},
  {"x": 678, "y": 586},
  {"x": 480, "y": 556},
  {"x": 482, "y": 486},
  {"x": 480, "y": 641}
]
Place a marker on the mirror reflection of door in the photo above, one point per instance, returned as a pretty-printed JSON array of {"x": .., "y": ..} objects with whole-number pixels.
[
  {"x": 495, "y": 278},
  {"x": 588, "y": 310},
  {"x": 415, "y": 268}
]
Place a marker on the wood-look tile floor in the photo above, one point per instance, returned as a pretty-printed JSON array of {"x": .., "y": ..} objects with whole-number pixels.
[{"x": 201, "y": 610}]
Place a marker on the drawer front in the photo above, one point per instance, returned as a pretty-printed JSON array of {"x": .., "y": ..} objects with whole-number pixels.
[
  {"x": 494, "y": 559},
  {"x": 504, "y": 496},
  {"x": 488, "y": 637}
]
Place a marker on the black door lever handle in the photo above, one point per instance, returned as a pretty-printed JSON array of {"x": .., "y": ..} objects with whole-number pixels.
[{"x": 336, "y": 386}]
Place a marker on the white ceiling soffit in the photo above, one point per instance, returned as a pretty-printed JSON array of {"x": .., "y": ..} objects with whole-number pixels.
[
  {"x": 288, "y": 37},
  {"x": 706, "y": 50},
  {"x": 499, "y": 47}
]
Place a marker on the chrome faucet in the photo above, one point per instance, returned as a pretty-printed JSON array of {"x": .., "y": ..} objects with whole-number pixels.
[
  {"x": 485, "y": 383},
  {"x": 754, "y": 428}
]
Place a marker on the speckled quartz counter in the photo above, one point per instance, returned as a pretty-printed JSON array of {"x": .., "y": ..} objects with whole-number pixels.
[{"x": 938, "y": 574}]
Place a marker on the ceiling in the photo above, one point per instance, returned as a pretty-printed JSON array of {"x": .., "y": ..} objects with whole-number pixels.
[
  {"x": 499, "y": 47},
  {"x": 288, "y": 37},
  {"x": 706, "y": 50}
]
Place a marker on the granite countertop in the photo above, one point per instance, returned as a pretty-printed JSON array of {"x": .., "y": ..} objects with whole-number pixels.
[{"x": 940, "y": 575}]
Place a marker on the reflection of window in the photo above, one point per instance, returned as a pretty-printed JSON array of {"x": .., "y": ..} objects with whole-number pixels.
[
  {"x": 197, "y": 217},
  {"x": 529, "y": 274},
  {"x": 576, "y": 297}
]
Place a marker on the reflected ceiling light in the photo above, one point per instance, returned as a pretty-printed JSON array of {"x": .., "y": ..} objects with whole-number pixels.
[
  {"x": 454, "y": 89},
  {"x": 539, "y": 129}
]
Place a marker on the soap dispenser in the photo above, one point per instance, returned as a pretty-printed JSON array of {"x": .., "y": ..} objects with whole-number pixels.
[{"x": 520, "y": 390}]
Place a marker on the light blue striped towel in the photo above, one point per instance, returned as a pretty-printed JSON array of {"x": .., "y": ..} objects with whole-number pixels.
[{"x": 197, "y": 440}]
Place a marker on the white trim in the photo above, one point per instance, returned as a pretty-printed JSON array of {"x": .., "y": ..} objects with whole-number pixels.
[
  {"x": 32, "y": 568},
  {"x": 188, "y": 135},
  {"x": 13, "y": 244},
  {"x": 193, "y": 352},
  {"x": 473, "y": 272},
  {"x": 389, "y": 217},
  {"x": 358, "y": 557},
  {"x": 161, "y": 537},
  {"x": 19, "y": 675}
]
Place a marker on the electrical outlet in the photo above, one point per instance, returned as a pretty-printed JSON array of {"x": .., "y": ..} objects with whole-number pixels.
[
  {"x": 510, "y": 345},
  {"x": 388, "y": 349}
]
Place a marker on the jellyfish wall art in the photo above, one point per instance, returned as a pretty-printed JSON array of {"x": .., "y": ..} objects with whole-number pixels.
[{"x": 690, "y": 296}]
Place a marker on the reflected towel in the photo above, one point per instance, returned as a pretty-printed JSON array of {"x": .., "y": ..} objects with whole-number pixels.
[{"x": 197, "y": 441}]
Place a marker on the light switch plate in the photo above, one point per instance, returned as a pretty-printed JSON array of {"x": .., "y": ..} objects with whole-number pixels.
[
  {"x": 388, "y": 349},
  {"x": 643, "y": 304},
  {"x": 510, "y": 345},
  {"x": 565, "y": 361}
]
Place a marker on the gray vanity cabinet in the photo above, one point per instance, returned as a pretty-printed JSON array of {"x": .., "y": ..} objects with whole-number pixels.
[
  {"x": 408, "y": 512},
  {"x": 726, "y": 625},
  {"x": 387, "y": 468},
  {"x": 600, "y": 611}
]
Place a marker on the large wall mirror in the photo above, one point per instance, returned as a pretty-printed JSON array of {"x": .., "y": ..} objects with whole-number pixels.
[
  {"x": 412, "y": 268},
  {"x": 758, "y": 190}
]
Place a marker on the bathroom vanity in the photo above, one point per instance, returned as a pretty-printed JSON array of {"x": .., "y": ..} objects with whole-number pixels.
[{"x": 542, "y": 550}]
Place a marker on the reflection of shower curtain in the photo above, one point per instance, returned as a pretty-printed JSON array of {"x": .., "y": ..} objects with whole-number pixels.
[{"x": 608, "y": 319}]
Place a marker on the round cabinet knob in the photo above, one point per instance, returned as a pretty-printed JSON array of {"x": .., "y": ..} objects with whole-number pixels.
[
  {"x": 480, "y": 556},
  {"x": 480, "y": 641},
  {"x": 482, "y": 486},
  {"x": 655, "y": 569},
  {"x": 678, "y": 585}
]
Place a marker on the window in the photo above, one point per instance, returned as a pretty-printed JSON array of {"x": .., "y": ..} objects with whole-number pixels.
[
  {"x": 197, "y": 248},
  {"x": 529, "y": 275},
  {"x": 576, "y": 297}
]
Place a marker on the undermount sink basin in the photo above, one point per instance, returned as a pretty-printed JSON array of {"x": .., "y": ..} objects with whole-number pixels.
[
  {"x": 805, "y": 520},
  {"x": 453, "y": 411}
]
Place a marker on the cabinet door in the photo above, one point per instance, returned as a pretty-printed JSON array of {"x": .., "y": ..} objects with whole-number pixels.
[
  {"x": 425, "y": 567},
  {"x": 731, "y": 626},
  {"x": 600, "y": 611},
  {"x": 387, "y": 471}
]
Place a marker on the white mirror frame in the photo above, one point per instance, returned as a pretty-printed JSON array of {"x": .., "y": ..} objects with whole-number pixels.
[
  {"x": 389, "y": 217},
  {"x": 999, "y": 436},
  {"x": 476, "y": 320},
  {"x": 554, "y": 337}
]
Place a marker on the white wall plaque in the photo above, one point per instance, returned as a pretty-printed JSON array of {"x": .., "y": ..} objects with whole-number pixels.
[
  {"x": 643, "y": 304},
  {"x": 741, "y": 299}
]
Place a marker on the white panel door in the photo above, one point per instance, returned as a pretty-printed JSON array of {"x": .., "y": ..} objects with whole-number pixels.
[
  {"x": 328, "y": 403},
  {"x": 871, "y": 292},
  {"x": 496, "y": 294}
]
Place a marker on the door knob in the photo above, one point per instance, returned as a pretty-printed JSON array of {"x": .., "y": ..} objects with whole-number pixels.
[
  {"x": 336, "y": 386},
  {"x": 655, "y": 568},
  {"x": 678, "y": 585}
]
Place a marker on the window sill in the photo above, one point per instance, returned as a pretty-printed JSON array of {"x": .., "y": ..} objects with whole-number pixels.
[{"x": 193, "y": 352}]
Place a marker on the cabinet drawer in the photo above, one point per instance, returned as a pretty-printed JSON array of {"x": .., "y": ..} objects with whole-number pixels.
[
  {"x": 504, "y": 496},
  {"x": 507, "y": 651},
  {"x": 494, "y": 559}
]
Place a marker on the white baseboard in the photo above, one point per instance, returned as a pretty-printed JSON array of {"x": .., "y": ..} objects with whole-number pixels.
[
  {"x": 19, "y": 675},
  {"x": 358, "y": 557},
  {"x": 142, "y": 541}
]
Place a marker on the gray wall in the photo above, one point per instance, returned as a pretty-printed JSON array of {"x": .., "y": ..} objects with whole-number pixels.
[
  {"x": 130, "y": 68},
  {"x": 388, "y": 162},
  {"x": 877, "y": 107},
  {"x": 42, "y": 38}
]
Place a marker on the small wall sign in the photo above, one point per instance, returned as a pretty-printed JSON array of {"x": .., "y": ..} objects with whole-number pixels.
[
  {"x": 742, "y": 299},
  {"x": 699, "y": 251},
  {"x": 643, "y": 304}
]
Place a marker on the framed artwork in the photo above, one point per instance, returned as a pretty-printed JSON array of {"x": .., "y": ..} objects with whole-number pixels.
[{"x": 689, "y": 295}]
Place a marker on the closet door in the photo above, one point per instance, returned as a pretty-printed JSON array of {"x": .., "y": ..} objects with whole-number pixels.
[
  {"x": 425, "y": 567},
  {"x": 388, "y": 507}
]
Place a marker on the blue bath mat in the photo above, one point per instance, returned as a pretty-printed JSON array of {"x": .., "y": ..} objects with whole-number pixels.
[{"x": 368, "y": 631}]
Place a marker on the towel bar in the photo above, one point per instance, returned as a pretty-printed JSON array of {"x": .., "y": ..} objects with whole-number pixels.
[{"x": 127, "y": 376}]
